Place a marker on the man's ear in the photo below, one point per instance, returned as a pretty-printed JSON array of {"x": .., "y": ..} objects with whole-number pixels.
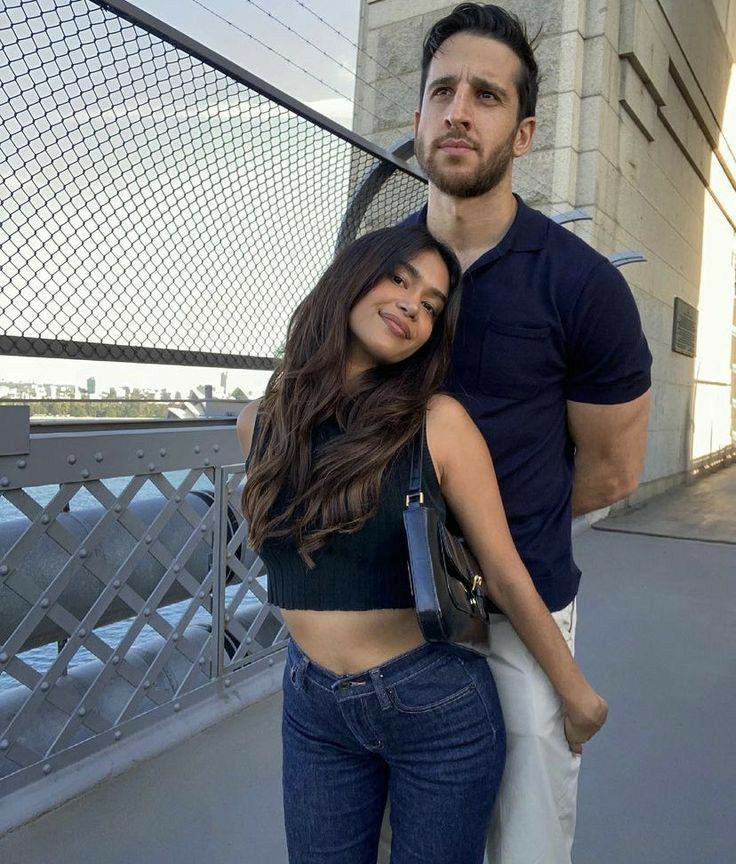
[
  {"x": 524, "y": 136},
  {"x": 417, "y": 117}
]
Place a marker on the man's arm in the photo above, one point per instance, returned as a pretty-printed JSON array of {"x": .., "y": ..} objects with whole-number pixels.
[{"x": 610, "y": 442}]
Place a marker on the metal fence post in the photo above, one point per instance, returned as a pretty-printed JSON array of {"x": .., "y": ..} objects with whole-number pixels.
[{"x": 219, "y": 573}]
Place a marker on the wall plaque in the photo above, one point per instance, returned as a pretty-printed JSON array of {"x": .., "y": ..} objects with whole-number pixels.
[{"x": 684, "y": 328}]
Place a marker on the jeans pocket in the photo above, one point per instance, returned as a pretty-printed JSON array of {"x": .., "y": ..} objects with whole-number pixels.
[{"x": 432, "y": 687}]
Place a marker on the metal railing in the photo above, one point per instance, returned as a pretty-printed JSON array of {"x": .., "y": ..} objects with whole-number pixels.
[
  {"x": 158, "y": 203},
  {"x": 130, "y": 569}
]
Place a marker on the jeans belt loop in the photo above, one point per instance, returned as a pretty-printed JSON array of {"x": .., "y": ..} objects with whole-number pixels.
[
  {"x": 300, "y": 672},
  {"x": 380, "y": 688}
]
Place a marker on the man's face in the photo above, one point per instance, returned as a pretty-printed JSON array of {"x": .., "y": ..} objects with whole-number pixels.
[{"x": 467, "y": 132}]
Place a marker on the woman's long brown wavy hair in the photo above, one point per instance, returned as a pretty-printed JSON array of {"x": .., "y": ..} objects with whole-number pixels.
[{"x": 335, "y": 488}]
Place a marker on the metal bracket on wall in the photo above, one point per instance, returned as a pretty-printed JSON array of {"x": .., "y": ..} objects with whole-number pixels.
[
  {"x": 370, "y": 185},
  {"x": 631, "y": 256}
]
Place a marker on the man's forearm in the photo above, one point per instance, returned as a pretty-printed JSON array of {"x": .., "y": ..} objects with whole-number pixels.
[{"x": 598, "y": 485}]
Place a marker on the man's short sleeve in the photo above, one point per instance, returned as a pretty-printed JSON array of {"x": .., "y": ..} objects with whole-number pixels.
[{"x": 608, "y": 356}]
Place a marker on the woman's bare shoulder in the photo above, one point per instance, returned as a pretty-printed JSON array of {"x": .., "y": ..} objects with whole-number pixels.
[
  {"x": 245, "y": 423},
  {"x": 444, "y": 411},
  {"x": 449, "y": 430}
]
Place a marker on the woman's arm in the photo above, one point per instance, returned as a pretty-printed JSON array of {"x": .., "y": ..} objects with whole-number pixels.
[
  {"x": 244, "y": 425},
  {"x": 468, "y": 482}
]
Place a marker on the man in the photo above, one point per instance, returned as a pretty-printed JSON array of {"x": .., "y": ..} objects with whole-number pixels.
[{"x": 551, "y": 363}]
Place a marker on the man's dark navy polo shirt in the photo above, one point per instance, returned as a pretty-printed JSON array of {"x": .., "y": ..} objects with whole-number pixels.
[{"x": 544, "y": 319}]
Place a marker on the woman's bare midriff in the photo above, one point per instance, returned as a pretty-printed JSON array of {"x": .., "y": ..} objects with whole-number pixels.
[{"x": 350, "y": 642}]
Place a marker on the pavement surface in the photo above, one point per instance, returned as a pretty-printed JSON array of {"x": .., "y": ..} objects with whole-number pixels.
[
  {"x": 657, "y": 636},
  {"x": 704, "y": 511}
]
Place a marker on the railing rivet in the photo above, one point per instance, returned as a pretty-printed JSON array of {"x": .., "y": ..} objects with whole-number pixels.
[
  {"x": 197, "y": 448},
  {"x": 216, "y": 448},
  {"x": 203, "y": 528},
  {"x": 4, "y": 744},
  {"x": 71, "y": 458},
  {"x": 270, "y": 661},
  {"x": 118, "y": 735},
  {"x": 227, "y": 618},
  {"x": 227, "y": 682},
  {"x": 4, "y": 570},
  {"x": 149, "y": 539},
  {"x": 82, "y": 633},
  {"x": 177, "y": 498},
  {"x": 249, "y": 580},
  {"x": 45, "y": 603},
  {"x": 118, "y": 508},
  {"x": 146, "y": 612},
  {"x": 207, "y": 461},
  {"x": 175, "y": 637},
  {"x": 115, "y": 660},
  {"x": 82, "y": 552},
  {"x": 85, "y": 473},
  {"x": 228, "y": 488},
  {"x": 151, "y": 466},
  {"x": 177, "y": 568},
  {"x": 162, "y": 451},
  {"x": 21, "y": 463},
  {"x": 4, "y": 481},
  {"x": 115, "y": 583},
  {"x": 201, "y": 661},
  {"x": 248, "y": 640},
  {"x": 177, "y": 706},
  {"x": 139, "y": 454},
  {"x": 201, "y": 595},
  {"x": 45, "y": 519},
  {"x": 44, "y": 686},
  {"x": 228, "y": 554},
  {"x": 99, "y": 457},
  {"x": 82, "y": 712},
  {"x": 47, "y": 768},
  {"x": 4, "y": 657},
  {"x": 146, "y": 685}
]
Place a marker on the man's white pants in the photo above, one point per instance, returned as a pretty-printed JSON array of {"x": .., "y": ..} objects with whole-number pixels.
[{"x": 534, "y": 818}]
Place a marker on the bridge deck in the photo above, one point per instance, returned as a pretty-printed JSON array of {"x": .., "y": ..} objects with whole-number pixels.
[{"x": 656, "y": 636}]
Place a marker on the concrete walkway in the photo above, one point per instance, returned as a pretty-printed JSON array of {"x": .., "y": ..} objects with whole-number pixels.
[
  {"x": 704, "y": 511},
  {"x": 657, "y": 636}
]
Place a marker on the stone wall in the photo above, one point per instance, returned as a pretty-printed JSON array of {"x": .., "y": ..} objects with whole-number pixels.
[{"x": 634, "y": 126}]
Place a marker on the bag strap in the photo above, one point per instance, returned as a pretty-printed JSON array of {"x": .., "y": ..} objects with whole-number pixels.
[{"x": 415, "y": 494}]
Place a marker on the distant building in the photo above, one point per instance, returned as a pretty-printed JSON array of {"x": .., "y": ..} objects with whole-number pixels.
[{"x": 636, "y": 125}]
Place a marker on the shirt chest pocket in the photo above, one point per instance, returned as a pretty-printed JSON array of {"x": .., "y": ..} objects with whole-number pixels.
[{"x": 515, "y": 361}]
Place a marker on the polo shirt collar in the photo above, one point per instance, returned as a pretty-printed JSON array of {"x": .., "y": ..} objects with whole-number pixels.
[{"x": 527, "y": 233}]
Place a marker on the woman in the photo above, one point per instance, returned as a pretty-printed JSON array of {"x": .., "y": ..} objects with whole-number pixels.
[{"x": 370, "y": 708}]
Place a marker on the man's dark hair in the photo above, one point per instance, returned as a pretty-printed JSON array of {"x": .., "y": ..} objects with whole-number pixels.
[{"x": 492, "y": 22}]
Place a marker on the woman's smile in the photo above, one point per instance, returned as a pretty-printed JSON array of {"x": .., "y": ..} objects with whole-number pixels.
[{"x": 395, "y": 325}]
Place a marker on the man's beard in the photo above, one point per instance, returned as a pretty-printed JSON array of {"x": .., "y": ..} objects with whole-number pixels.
[{"x": 459, "y": 184}]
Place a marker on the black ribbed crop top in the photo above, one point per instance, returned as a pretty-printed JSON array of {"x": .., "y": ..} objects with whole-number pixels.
[{"x": 364, "y": 570}]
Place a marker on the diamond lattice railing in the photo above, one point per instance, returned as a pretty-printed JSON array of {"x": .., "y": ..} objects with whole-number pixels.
[{"x": 108, "y": 582}]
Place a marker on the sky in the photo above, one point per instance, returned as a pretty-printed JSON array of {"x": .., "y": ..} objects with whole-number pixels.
[{"x": 238, "y": 41}]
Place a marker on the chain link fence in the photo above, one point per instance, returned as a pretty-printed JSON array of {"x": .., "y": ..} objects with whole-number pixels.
[{"x": 158, "y": 206}]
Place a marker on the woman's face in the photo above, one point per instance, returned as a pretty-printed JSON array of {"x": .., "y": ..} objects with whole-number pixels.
[{"x": 395, "y": 318}]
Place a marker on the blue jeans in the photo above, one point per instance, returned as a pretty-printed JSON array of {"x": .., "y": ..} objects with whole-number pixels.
[{"x": 425, "y": 728}]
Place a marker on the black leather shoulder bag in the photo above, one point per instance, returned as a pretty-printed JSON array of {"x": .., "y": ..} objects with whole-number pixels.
[{"x": 449, "y": 591}]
